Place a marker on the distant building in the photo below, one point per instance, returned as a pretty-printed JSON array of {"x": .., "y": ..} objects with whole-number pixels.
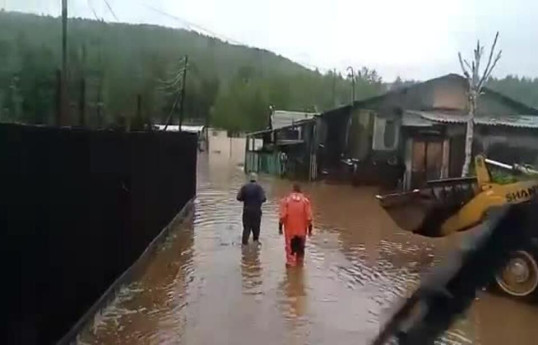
[
  {"x": 225, "y": 149},
  {"x": 283, "y": 148}
]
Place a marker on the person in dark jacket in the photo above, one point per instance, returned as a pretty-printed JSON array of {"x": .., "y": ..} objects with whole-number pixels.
[{"x": 253, "y": 196}]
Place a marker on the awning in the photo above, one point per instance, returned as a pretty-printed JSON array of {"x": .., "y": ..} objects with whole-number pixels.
[
  {"x": 410, "y": 119},
  {"x": 295, "y": 125},
  {"x": 284, "y": 118},
  {"x": 416, "y": 119}
]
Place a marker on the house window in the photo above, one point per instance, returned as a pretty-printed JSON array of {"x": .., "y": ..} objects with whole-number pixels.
[
  {"x": 389, "y": 136},
  {"x": 386, "y": 134}
]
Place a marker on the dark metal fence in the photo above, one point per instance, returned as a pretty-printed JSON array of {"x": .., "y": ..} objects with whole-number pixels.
[{"x": 77, "y": 208}]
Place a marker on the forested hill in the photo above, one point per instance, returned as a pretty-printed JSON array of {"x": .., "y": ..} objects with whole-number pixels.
[
  {"x": 229, "y": 84},
  {"x": 521, "y": 89}
]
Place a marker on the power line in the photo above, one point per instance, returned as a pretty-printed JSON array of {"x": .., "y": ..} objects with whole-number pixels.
[
  {"x": 171, "y": 85},
  {"x": 196, "y": 27},
  {"x": 193, "y": 26},
  {"x": 111, "y": 10},
  {"x": 199, "y": 28},
  {"x": 93, "y": 10}
]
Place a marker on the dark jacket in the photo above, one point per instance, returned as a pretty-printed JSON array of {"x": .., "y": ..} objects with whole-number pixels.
[{"x": 252, "y": 196}]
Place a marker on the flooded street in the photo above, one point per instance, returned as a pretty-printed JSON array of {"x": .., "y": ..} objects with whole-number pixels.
[{"x": 203, "y": 288}]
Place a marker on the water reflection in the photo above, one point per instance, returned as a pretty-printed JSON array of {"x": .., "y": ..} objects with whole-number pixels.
[
  {"x": 251, "y": 271},
  {"x": 294, "y": 302}
]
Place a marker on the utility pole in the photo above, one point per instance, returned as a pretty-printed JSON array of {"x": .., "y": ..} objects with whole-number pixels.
[
  {"x": 82, "y": 103},
  {"x": 352, "y": 83},
  {"x": 139, "y": 122},
  {"x": 100, "y": 91},
  {"x": 139, "y": 106},
  {"x": 184, "y": 85},
  {"x": 64, "y": 35},
  {"x": 63, "y": 118},
  {"x": 100, "y": 103},
  {"x": 334, "y": 87}
]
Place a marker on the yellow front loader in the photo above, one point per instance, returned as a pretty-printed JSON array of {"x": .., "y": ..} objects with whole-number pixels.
[{"x": 452, "y": 205}]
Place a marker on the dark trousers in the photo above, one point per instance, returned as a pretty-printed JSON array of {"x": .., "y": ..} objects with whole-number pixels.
[
  {"x": 297, "y": 245},
  {"x": 251, "y": 223}
]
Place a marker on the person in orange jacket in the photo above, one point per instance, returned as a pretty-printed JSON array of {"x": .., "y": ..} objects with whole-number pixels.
[{"x": 296, "y": 219}]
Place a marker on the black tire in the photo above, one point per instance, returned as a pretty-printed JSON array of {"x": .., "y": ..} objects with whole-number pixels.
[{"x": 519, "y": 278}]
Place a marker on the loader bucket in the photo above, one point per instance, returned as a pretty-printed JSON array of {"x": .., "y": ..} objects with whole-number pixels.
[
  {"x": 408, "y": 210},
  {"x": 423, "y": 211}
]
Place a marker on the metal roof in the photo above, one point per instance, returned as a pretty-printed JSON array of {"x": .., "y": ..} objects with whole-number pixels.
[
  {"x": 269, "y": 130},
  {"x": 411, "y": 119},
  {"x": 518, "y": 121},
  {"x": 284, "y": 118}
]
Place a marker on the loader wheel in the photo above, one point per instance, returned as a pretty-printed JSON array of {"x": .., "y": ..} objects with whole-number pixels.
[{"x": 519, "y": 278}]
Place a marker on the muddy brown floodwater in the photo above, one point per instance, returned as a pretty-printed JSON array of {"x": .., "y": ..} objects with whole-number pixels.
[{"x": 203, "y": 288}]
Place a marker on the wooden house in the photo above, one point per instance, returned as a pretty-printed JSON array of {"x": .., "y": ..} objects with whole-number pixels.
[{"x": 414, "y": 134}]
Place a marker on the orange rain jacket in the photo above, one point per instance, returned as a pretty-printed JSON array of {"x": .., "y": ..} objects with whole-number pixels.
[{"x": 295, "y": 215}]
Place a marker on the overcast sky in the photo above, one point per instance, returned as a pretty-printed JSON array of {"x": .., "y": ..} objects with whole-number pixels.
[{"x": 415, "y": 39}]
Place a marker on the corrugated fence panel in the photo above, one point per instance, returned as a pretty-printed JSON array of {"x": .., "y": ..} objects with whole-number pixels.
[{"x": 77, "y": 208}]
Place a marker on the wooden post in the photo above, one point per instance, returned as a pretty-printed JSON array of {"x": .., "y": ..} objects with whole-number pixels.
[
  {"x": 334, "y": 87},
  {"x": 59, "y": 99},
  {"x": 446, "y": 158},
  {"x": 82, "y": 103},
  {"x": 64, "y": 107},
  {"x": 352, "y": 84},
  {"x": 139, "y": 106},
  {"x": 182, "y": 104},
  {"x": 64, "y": 35},
  {"x": 408, "y": 158},
  {"x": 99, "y": 103},
  {"x": 247, "y": 143},
  {"x": 138, "y": 121}
]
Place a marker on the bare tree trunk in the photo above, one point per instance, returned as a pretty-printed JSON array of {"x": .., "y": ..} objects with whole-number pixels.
[
  {"x": 475, "y": 82},
  {"x": 469, "y": 136}
]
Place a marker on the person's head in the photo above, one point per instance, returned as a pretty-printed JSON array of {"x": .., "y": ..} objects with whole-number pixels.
[
  {"x": 296, "y": 188},
  {"x": 253, "y": 177}
]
